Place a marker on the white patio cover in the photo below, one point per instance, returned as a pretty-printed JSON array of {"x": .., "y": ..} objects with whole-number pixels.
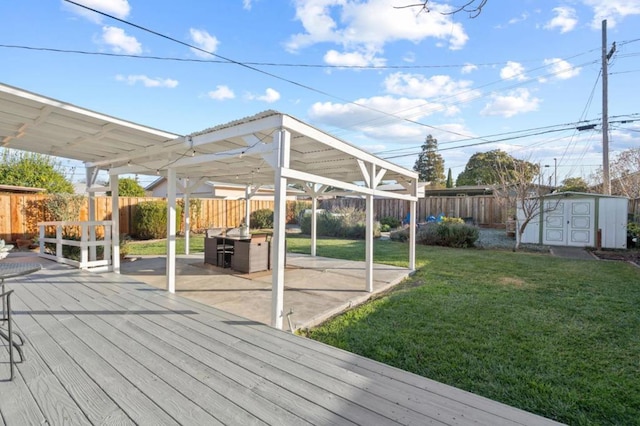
[{"x": 270, "y": 148}]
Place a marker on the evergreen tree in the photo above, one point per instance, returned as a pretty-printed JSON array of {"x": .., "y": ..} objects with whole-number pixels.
[
  {"x": 449, "y": 179},
  {"x": 430, "y": 165}
]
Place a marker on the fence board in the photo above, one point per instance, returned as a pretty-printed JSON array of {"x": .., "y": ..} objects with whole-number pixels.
[{"x": 485, "y": 210}]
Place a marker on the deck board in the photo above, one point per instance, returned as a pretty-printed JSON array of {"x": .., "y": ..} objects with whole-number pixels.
[
  {"x": 103, "y": 348},
  {"x": 83, "y": 358},
  {"x": 306, "y": 358},
  {"x": 288, "y": 373}
]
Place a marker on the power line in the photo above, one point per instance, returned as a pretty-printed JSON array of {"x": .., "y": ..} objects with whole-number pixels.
[
  {"x": 304, "y": 86},
  {"x": 258, "y": 70},
  {"x": 484, "y": 142},
  {"x": 269, "y": 64}
]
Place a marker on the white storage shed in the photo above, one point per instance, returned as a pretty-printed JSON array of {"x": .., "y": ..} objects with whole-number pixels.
[{"x": 579, "y": 219}]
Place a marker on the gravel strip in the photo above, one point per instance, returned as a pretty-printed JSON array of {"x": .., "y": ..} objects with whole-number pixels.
[{"x": 498, "y": 239}]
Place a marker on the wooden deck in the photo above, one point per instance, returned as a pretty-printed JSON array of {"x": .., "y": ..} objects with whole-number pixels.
[{"x": 104, "y": 349}]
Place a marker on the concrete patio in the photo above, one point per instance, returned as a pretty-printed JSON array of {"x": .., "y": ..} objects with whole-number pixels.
[{"x": 316, "y": 288}]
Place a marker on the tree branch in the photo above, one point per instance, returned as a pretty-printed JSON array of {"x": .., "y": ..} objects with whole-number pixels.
[{"x": 470, "y": 7}]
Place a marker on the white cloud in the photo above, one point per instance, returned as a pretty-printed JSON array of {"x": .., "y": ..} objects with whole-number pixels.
[
  {"x": 118, "y": 8},
  {"x": 515, "y": 102},
  {"x": 148, "y": 81},
  {"x": 371, "y": 123},
  {"x": 565, "y": 19},
  {"x": 368, "y": 25},
  {"x": 410, "y": 57},
  {"x": 204, "y": 41},
  {"x": 437, "y": 86},
  {"x": 513, "y": 70},
  {"x": 612, "y": 10},
  {"x": 520, "y": 18},
  {"x": 221, "y": 93},
  {"x": 120, "y": 42},
  {"x": 246, "y": 4},
  {"x": 351, "y": 59},
  {"x": 270, "y": 96},
  {"x": 561, "y": 69},
  {"x": 468, "y": 68}
]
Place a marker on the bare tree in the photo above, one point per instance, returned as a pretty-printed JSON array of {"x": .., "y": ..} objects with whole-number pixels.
[
  {"x": 625, "y": 173},
  {"x": 521, "y": 192},
  {"x": 472, "y": 7}
]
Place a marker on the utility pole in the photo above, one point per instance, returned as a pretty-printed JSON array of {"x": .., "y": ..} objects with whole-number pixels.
[{"x": 605, "y": 109}]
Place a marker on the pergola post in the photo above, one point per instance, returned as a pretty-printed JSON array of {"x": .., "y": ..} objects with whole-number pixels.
[
  {"x": 314, "y": 222},
  {"x": 247, "y": 207},
  {"x": 369, "y": 232},
  {"x": 187, "y": 219},
  {"x": 282, "y": 142},
  {"x": 91, "y": 174},
  {"x": 171, "y": 230},
  {"x": 412, "y": 234},
  {"x": 115, "y": 218}
]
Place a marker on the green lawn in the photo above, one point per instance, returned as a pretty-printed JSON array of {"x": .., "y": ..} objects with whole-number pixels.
[
  {"x": 159, "y": 247},
  {"x": 556, "y": 337}
]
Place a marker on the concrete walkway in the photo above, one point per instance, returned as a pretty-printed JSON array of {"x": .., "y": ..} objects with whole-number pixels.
[
  {"x": 567, "y": 252},
  {"x": 316, "y": 288}
]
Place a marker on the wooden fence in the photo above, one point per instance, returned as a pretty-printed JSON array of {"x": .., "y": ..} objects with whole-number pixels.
[
  {"x": 634, "y": 208},
  {"x": 485, "y": 210},
  {"x": 20, "y": 213}
]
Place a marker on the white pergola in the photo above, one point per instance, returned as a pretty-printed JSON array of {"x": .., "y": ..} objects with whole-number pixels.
[{"x": 270, "y": 148}]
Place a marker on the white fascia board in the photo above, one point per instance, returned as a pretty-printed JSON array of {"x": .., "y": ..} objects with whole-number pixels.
[
  {"x": 239, "y": 130},
  {"x": 308, "y": 177},
  {"x": 324, "y": 138}
]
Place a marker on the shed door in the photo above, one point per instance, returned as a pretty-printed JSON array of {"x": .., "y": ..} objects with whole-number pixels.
[{"x": 569, "y": 222}]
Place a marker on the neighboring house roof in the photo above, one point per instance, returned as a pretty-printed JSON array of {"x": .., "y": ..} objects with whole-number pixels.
[
  {"x": 393, "y": 187},
  {"x": 81, "y": 189},
  {"x": 20, "y": 189},
  {"x": 222, "y": 190},
  {"x": 470, "y": 190}
]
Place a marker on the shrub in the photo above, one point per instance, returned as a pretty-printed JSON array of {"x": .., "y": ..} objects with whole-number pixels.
[
  {"x": 384, "y": 227},
  {"x": 401, "y": 235},
  {"x": 261, "y": 219},
  {"x": 452, "y": 220},
  {"x": 151, "y": 219},
  {"x": 342, "y": 223},
  {"x": 391, "y": 222},
  {"x": 294, "y": 209},
  {"x": 427, "y": 234},
  {"x": 449, "y": 234}
]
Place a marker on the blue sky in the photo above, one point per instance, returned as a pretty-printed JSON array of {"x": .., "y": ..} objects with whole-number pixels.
[{"x": 379, "y": 77}]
